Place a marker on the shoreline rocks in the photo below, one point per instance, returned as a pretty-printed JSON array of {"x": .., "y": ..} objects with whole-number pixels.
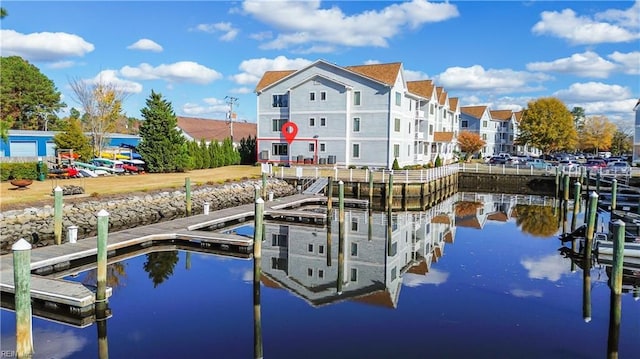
[{"x": 128, "y": 211}]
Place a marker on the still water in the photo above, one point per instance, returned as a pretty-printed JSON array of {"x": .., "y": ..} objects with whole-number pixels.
[{"x": 477, "y": 276}]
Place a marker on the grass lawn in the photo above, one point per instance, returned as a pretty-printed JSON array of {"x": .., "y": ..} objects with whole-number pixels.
[{"x": 40, "y": 193}]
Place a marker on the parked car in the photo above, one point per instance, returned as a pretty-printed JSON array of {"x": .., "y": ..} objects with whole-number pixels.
[
  {"x": 538, "y": 163},
  {"x": 568, "y": 165},
  {"x": 595, "y": 164},
  {"x": 498, "y": 160},
  {"x": 619, "y": 167}
]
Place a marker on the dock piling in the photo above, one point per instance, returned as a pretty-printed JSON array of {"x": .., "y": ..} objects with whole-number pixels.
[
  {"x": 618, "y": 229},
  {"x": 614, "y": 194},
  {"x": 22, "y": 282},
  {"x": 264, "y": 185},
  {"x": 329, "y": 194},
  {"x": 257, "y": 268},
  {"x": 576, "y": 205},
  {"x": 57, "y": 214},
  {"x": 103, "y": 232},
  {"x": 591, "y": 224},
  {"x": 187, "y": 190}
]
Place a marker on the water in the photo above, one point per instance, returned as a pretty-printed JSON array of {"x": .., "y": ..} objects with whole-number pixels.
[{"x": 477, "y": 276}]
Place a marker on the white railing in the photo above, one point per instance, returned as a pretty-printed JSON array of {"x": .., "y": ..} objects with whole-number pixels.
[{"x": 363, "y": 175}]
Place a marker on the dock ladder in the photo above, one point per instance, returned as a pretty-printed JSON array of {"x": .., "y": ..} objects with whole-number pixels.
[{"x": 317, "y": 186}]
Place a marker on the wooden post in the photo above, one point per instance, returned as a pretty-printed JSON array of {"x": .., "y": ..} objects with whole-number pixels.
[
  {"x": 370, "y": 188},
  {"x": 22, "y": 294},
  {"x": 187, "y": 190},
  {"x": 390, "y": 192},
  {"x": 557, "y": 181},
  {"x": 103, "y": 232},
  {"x": 614, "y": 194},
  {"x": 615, "y": 316},
  {"x": 598, "y": 181},
  {"x": 57, "y": 214},
  {"x": 329, "y": 239},
  {"x": 264, "y": 185},
  {"x": 257, "y": 193},
  {"x": 586, "y": 285},
  {"x": 576, "y": 205},
  {"x": 588, "y": 180},
  {"x": 591, "y": 224},
  {"x": 566, "y": 187},
  {"x": 257, "y": 259},
  {"x": 618, "y": 229},
  {"x": 101, "y": 311},
  {"x": 341, "y": 234},
  {"x": 329, "y": 194}
]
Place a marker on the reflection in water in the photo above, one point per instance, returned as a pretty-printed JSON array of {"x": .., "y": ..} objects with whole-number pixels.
[
  {"x": 539, "y": 221},
  {"x": 160, "y": 266},
  {"x": 48, "y": 343},
  {"x": 116, "y": 275}
]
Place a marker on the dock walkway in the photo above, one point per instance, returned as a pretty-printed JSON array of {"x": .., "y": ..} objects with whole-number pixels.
[{"x": 199, "y": 231}]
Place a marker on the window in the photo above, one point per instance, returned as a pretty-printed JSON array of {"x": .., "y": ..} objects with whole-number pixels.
[
  {"x": 309, "y": 272},
  {"x": 312, "y": 122},
  {"x": 276, "y": 124},
  {"x": 356, "y": 124},
  {"x": 323, "y": 122},
  {"x": 444, "y": 113},
  {"x": 396, "y": 125},
  {"x": 431, "y": 129},
  {"x": 323, "y": 147},
  {"x": 312, "y": 96},
  {"x": 320, "y": 273},
  {"x": 356, "y": 98},
  {"x": 465, "y": 123},
  {"x": 280, "y": 149},
  {"x": 354, "y": 275},
  {"x": 431, "y": 109},
  {"x": 396, "y": 150},
  {"x": 394, "y": 273},
  {"x": 398, "y": 99},
  {"x": 280, "y": 101},
  {"x": 279, "y": 263},
  {"x": 354, "y": 249},
  {"x": 321, "y": 249},
  {"x": 484, "y": 123},
  {"x": 484, "y": 136},
  {"x": 354, "y": 224},
  {"x": 408, "y": 150},
  {"x": 323, "y": 96},
  {"x": 310, "y": 248},
  {"x": 312, "y": 147},
  {"x": 279, "y": 240},
  {"x": 355, "y": 150}
]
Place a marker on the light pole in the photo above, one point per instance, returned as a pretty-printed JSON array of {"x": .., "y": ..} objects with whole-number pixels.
[{"x": 231, "y": 101}]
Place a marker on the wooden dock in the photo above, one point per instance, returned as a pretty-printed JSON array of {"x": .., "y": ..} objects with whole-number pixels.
[{"x": 200, "y": 233}]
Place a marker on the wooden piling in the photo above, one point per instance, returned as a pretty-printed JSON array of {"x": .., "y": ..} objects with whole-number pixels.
[
  {"x": 329, "y": 194},
  {"x": 591, "y": 224},
  {"x": 264, "y": 185},
  {"x": 586, "y": 285},
  {"x": 615, "y": 318},
  {"x": 257, "y": 263},
  {"x": 341, "y": 234},
  {"x": 614, "y": 194},
  {"x": 618, "y": 229},
  {"x": 101, "y": 311},
  {"x": 57, "y": 214},
  {"x": 557, "y": 182},
  {"x": 598, "y": 181},
  {"x": 567, "y": 179},
  {"x": 187, "y": 191},
  {"x": 576, "y": 205},
  {"x": 103, "y": 232},
  {"x": 370, "y": 188},
  {"x": 329, "y": 239},
  {"x": 390, "y": 192},
  {"x": 588, "y": 180},
  {"x": 22, "y": 296}
]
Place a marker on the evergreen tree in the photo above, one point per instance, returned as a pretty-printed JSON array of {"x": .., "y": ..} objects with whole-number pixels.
[
  {"x": 247, "y": 151},
  {"x": 216, "y": 153},
  {"x": 74, "y": 139},
  {"x": 162, "y": 147},
  {"x": 204, "y": 154}
]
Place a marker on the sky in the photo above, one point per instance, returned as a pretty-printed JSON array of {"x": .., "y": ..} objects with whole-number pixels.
[{"x": 203, "y": 55}]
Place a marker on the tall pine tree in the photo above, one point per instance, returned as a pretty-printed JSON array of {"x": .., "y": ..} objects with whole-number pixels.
[{"x": 163, "y": 148}]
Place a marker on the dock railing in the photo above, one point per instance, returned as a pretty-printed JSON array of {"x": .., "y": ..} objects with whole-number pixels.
[{"x": 362, "y": 175}]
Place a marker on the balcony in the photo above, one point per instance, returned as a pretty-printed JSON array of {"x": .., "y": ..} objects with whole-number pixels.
[{"x": 420, "y": 115}]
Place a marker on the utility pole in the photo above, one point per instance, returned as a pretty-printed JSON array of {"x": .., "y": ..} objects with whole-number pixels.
[{"x": 231, "y": 101}]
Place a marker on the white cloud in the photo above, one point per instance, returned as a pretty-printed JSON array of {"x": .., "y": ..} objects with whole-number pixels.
[
  {"x": 521, "y": 293},
  {"x": 178, "y": 72},
  {"x": 212, "y": 107},
  {"x": 593, "y": 91},
  {"x": 61, "y": 64},
  {"x": 43, "y": 46},
  {"x": 629, "y": 62},
  {"x": 145, "y": 45},
  {"x": 241, "y": 90},
  {"x": 622, "y": 26},
  {"x": 50, "y": 343},
  {"x": 411, "y": 75},
  {"x": 550, "y": 267},
  {"x": 305, "y": 23},
  {"x": 229, "y": 32},
  {"x": 494, "y": 80},
  {"x": 433, "y": 277},
  {"x": 254, "y": 69},
  {"x": 111, "y": 77},
  {"x": 586, "y": 64},
  {"x": 261, "y": 36}
]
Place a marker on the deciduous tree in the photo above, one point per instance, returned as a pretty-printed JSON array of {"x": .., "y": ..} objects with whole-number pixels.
[
  {"x": 102, "y": 106},
  {"x": 163, "y": 148},
  {"x": 27, "y": 97},
  {"x": 596, "y": 133},
  {"x": 72, "y": 137},
  {"x": 621, "y": 143},
  {"x": 548, "y": 125},
  {"x": 470, "y": 143}
]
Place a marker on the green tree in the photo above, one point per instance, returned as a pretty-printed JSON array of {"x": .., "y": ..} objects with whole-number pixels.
[
  {"x": 596, "y": 133},
  {"x": 160, "y": 265},
  {"x": 247, "y": 150},
  {"x": 395, "y": 166},
  {"x": 26, "y": 95},
  {"x": 578, "y": 117},
  {"x": 204, "y": 153},
  {"x": 162, "y": 147},
  {"x": 470, "y": 143},
  {"x": 548, "y": 125},
  {"x": 73, "y": 138},
  {"x": 621, "y": 143},
  {"x": 102, "y": 105}
]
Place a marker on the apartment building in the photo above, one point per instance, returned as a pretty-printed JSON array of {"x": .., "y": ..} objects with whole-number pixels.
[{"x": 365, "y": 115}]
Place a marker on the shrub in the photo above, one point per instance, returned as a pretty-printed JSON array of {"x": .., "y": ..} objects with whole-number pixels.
[
  {"x": 395, "y": 165},
  {"x": 352, "y": 167},
  {"x": 26, "y": 170},
  {"x": 438, "y": 161}
]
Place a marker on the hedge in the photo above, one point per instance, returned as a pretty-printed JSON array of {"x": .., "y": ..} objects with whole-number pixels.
[{"x": 26, "y": 170}]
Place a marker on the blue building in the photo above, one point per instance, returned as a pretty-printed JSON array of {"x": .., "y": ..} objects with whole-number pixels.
[{"x": 24, "y": 143}]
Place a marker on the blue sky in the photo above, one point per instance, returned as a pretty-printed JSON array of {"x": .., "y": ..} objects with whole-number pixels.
[{"x": 501, "y": 53}]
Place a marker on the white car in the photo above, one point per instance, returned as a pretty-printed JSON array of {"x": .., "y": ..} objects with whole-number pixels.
[{"x": 618, "y": 167}]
